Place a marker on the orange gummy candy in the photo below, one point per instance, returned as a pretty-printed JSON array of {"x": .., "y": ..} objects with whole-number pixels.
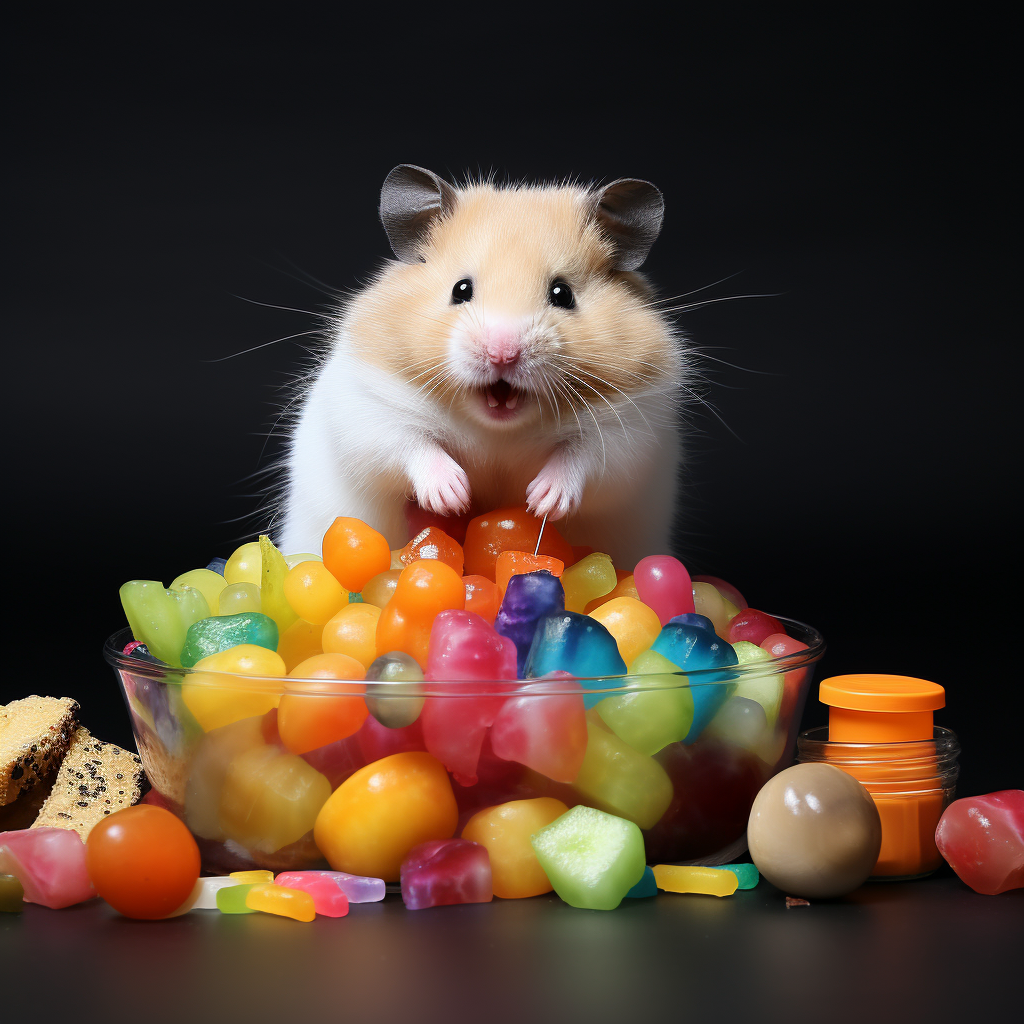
[
  {"x": 483, "y": 597},
  {"x": 424, "y": 589},
  {"x": 436, "y": 544},
  {"x": 515, "y": 563},
  {"x": 319, "y": 715},
  {"x": 355, "y": 552},
  {"x": 510, "y": 529}
]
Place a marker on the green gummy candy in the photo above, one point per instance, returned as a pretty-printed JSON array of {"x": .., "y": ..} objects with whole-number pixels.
[
  {"x": 219, "y": 632},
  {"x": 12, "y": 896},
  {"x": 747, "y": 876},
  {"x": 765, "y": 688},
  {"x": 592, "y": 859},
  {"x": 231, "y": 899},
  {"x": 649, "y": 719},
  {"x": 272, "y": 598},
  {"x": 160, "y": 618},
  {"x": 619, "y": 779}
]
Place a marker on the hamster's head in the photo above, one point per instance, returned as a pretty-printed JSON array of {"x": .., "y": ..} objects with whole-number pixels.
[{"x": 515, "y": 305}]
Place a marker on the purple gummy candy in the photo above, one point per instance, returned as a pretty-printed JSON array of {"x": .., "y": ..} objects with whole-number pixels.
[
  {"x": 49, "y": 863},
  {"x": 357, "y": 888},
  {"x": 528, "y": 598},
  {"x": 446, "y": 871}
]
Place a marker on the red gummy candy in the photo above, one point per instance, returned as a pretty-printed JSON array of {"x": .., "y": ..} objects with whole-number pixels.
[
  {"x": 444, "y": 872},
  {"x": 982, "y": 839},
  {"x": 754, "y": 627}
]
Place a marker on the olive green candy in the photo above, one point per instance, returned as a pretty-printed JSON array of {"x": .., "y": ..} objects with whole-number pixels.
[
  {"x": 160, "y": 618},
  {"x": 219, "y": 632},
  {"x": 12, "y": 896},
  {"x": 397, "y": 701},
  {"x": 231, "y": 900}
]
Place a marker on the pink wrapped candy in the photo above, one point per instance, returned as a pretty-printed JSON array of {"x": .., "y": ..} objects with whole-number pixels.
[
  {"x": 446, "y": 871},
  {"x": 330, "y": 888},
  {"x": 49, "y": 863},
  {"x": 982, "y": 839}
]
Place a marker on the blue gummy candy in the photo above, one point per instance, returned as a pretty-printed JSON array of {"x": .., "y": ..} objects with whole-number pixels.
[
  {"x": 528, "y": 597},
  {"x": 692, "y": 648},
  {"x": 645, "y": 887},
  {"x": 217, "y": 565},
  {"x": 692, "y": 619},
  {"x": 577, "y": 644}
]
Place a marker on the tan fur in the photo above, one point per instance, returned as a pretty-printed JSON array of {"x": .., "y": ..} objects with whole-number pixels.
[{"x": 513, "y": 242}]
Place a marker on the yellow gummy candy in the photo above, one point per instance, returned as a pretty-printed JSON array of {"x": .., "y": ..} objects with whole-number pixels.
[
  {"x": 694, "y": 878},
  {"x": 206, "y": 581},
  {"x": 245, "y": 565},
  {"x": 217, "y": 700},
  {"x": 275, "y": 899},
  {"x": 272, "y": 595},
  {"x": 590, "y": 578},
  {"x": 257, "y": 876},
  {"x": 239, "y": 597}
]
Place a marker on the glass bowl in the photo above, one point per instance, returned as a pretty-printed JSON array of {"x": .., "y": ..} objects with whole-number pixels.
[{"x": 247, "y": 799}]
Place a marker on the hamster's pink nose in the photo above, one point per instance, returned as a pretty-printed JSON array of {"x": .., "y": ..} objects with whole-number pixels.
[{"x": 502, "y": 346}]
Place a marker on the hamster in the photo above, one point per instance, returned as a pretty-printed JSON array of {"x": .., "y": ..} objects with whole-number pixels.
[{"x": 510, "y": 354}]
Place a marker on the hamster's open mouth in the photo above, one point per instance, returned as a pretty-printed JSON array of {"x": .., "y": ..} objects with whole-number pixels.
[{"x": 502, "y": 400}]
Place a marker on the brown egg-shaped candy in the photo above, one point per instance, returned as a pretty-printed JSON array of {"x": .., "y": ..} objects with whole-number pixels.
[
  {"x": 381, "y": 588},
  {"x": 814, "y": 831}
]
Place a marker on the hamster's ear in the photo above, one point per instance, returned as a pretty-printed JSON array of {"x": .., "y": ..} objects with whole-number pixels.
[
  {"x": 630, "y": 212},
  {"x": 411, "y": 197}
]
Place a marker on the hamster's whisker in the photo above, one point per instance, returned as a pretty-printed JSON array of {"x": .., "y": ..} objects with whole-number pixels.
[
  {"x": 683, "y": 295},
  {"x": 320, "y": 315},
  {"x": 621, "y": 392},
  {"x": 265, "y": 344},
  {"x": 597, "y": 424},
  {"x": 625, "y": 431},
  {"x": 725, "y": 298}
]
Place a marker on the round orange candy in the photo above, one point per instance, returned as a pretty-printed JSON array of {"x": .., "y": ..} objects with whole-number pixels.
[
  {"x": 143, "y": 861},
  {"x": 509, "y": 529},
  {"x": 353, "y": 631},
  {"x": 505, "y": 831},
  {"x": 376, "y": 816},
  {"x": 313, "y": 592},
  {"x": 355, "y": 552},
  {"x": 319, "y": 715}
]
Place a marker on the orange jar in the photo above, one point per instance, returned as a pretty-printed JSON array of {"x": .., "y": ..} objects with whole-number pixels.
[{"x": 881, "y": 732}]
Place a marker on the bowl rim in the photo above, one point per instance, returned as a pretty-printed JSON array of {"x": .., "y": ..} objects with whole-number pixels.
[{"x": 727, "y": 675}]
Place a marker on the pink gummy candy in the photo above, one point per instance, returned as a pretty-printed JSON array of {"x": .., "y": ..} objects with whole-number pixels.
[
  {"x": 49, "y": 863},
  {"x": 546, "y": 732},
  {"x": 465, "y": 646},
  {"x": 324, "y": 886},
  {"x": 446, "y": 871},
  {"x": 663, "y": 583},
  {"x": 982, "y": 839},
  {"x": 466, "y": 655}
]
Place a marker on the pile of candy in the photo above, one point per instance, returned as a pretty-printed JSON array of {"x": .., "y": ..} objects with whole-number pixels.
[
  {"x": 457, "y": 677},
  {"x": 145, "y": 863}
]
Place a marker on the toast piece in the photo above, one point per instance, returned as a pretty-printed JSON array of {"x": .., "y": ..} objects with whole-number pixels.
[
  {"x": 95, "y": 780},
  {"x": 34, "y": 736}
]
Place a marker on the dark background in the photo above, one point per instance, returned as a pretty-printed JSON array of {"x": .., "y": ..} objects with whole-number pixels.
[{"x": 855, "y": 474}]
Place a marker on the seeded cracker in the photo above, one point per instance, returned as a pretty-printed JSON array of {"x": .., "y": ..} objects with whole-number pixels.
[
  {"x": 95, "y": 780},
  {"x": 34, "y": 736}
]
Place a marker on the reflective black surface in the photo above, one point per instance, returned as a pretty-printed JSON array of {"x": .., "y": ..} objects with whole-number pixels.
[{"x": 912, "y": 951}]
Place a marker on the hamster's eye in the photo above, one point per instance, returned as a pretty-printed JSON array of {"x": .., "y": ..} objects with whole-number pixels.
[
  {"x": 560, "y": 295},
  {"x": 462, "y": 292}
]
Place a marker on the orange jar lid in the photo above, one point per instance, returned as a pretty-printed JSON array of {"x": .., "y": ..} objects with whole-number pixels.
[{"x": 881, "y": 693}]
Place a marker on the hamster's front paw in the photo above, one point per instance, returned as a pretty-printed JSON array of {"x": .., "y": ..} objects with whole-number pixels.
[
  {"x": 440, "y": 485},
  {"x": 557, "y": 490}
]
